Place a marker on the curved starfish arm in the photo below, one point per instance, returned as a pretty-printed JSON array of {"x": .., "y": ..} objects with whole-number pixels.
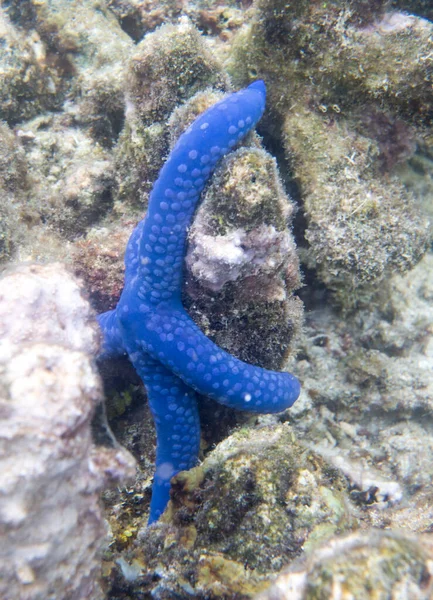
[
  {"x": 174, "y": 409},
  {"x": 112, "y": 343},
  {"x": 132, "y": 259},
  {"x": 181, "y": 180},
  {"x": 171, "y": 337}
]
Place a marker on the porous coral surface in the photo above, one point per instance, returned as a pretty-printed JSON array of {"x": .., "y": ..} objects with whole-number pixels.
[{"x": 51, "y": 473}]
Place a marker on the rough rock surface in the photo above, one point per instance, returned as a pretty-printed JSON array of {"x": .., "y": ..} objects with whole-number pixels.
[
  {"x": 242, "y": 264},
  {"x": 257, "y": 501},
  {"x": 382, "y": 564},
  {"x": 348, "y": 92},
  {"x": 50, "y": 472},
  {"x": 349, "y": 102}
]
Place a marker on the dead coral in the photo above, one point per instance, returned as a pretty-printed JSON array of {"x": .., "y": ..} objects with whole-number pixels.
[
  {"x": 14, "y": 184},
  {"x": 243, "y": 261},
  {"x": 71, "y": 175},
  {"x": 51, "y": 473},
  {"x": 368, "y": 398},
  {"x": 168, "y": 67},
  {"x": 98, "y": 260},
  {"x": 82, "y": 50},
  {"x": 361, "y": 226},
  {"x": 138, "y": 17},
  {"x": 256, "y": 501},
  {"x": 27, "y": 85}
]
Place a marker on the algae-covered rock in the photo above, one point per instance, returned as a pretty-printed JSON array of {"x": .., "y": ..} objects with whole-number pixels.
[
  {"x": 334, "y": 54},
  {"x": 260, "y": 497},
  {"x": 348, "y": 90},
  {"x": 71, "y": 175},
  {"x": 81, "y": 48},
  {"x": 254, "y": 504},
  {"x": 98, "y": 260},
  {"x": 167, "y": 68},
  {"x": 13, "y": 186},
  {"x": 361, "y": 226},
  {"x": 138, "y": 17},
  {"x": 27, "y": 84},
  {"x": 368, "y": 398},
  {"x": 242, "y": 261},
  {"x": 375, "y": 564}
]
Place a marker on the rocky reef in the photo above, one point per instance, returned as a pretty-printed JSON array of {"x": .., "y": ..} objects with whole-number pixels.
[{"x": 327, "y": 206}]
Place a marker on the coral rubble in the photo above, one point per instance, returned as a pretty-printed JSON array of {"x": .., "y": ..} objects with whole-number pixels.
[
  {"x": 257, "y": 500},
  {"x": 385, "y": 564}
]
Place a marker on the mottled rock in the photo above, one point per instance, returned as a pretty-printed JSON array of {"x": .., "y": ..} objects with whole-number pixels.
[
  {"x": 138, "y": 17},
  {"x": 387, "y": 565},
  {"x": 167, "y": 68},
  {"x": 27, "y": 85},
  {"x": 241, "y": 227},
  {"x": 242, "y": 261},
  {"x": 13, "y": 186},
  {"x": 368, "y": 396},
  {"x": 71, "y": 175},
  {"x": 361, "y": 227},
  {"x": 254, "y": 504},
  {"x": 98, "y": 260},
  {"x": 82, "y": 48},
  {"x": 50, "y": 471},
  {"x": 348, "y": 94}
]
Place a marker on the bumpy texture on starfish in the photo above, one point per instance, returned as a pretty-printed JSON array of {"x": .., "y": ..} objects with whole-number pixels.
[{"x": 170, "y": 353}]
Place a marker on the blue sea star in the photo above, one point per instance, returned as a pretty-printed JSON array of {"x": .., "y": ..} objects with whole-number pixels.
[{"x": 170, "y": 353}]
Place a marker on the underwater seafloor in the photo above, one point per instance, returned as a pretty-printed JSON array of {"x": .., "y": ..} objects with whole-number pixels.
[{"x": 310, "y": 252}]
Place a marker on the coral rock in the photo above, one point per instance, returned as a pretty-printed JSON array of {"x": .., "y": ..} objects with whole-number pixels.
[
  {"x": 50, "y": 471},
  {"x": 389, "y": 565}
]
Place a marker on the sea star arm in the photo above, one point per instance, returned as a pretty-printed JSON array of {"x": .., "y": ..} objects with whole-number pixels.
[
  {"x": 177, "y": 190},
  {"x": 112, "y": 342},
  {"x": 174, "y": 409},
  {"x": 171, "y": 337},
  {"x": 132, "y": 252}
]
